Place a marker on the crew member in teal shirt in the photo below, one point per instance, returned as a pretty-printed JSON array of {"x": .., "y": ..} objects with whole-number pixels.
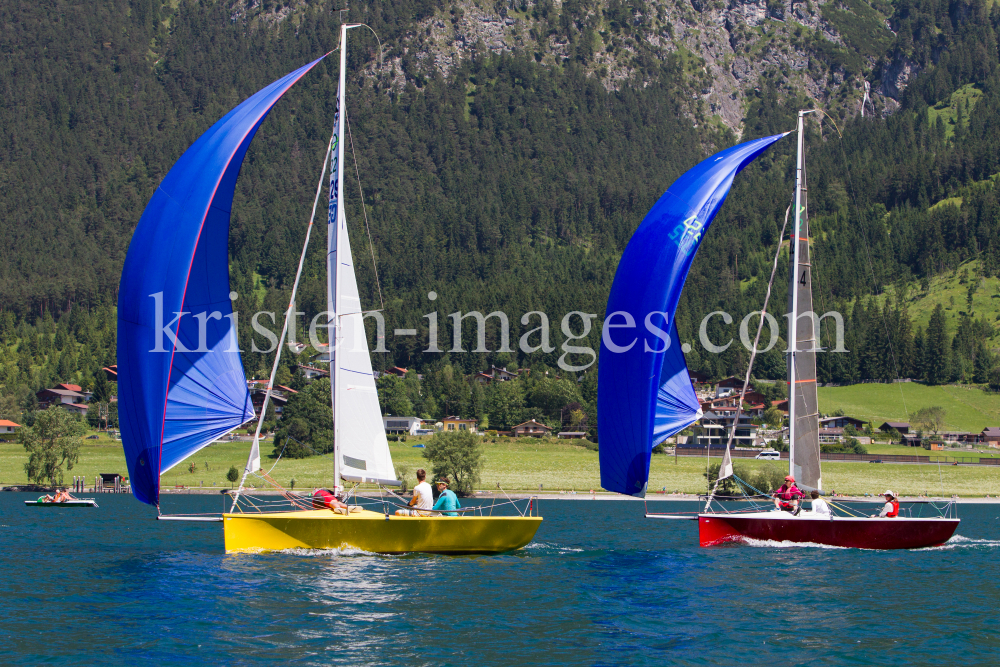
[{"x": 447, "y": 500}]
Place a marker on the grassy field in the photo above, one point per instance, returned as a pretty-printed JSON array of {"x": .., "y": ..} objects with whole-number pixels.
[
  {"x": 947, "y": 290},
  {"x": 968, "y": 408},
  {"x": 972, "y": 454},
  {"x": 524, "y": 465}
]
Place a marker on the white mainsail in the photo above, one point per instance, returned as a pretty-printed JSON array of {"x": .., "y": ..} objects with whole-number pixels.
[{"x": 361, "y": 452}]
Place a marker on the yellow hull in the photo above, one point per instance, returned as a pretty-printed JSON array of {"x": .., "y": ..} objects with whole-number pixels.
[{"x": 372, "y": 531}]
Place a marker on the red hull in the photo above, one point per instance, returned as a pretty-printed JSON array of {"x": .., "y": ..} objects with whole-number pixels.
[{"x": 859, "y": 533}]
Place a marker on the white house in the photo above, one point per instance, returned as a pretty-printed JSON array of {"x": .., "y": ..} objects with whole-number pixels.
[
  {"x": 7, "y": 426},
  {"x": 401, "y": 425}
]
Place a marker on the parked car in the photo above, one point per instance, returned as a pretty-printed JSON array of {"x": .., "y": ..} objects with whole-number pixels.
[{"x": 769, "y": 454}]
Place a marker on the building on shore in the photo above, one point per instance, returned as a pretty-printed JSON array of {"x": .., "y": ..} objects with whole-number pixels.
[
  {"x": 395, "y": 425},
  {"x": 458, "y": 424},
  {"x": 991, "y": 436},
  {"x": 532, "y": 428},
  {"x": 902, "y": 427}
]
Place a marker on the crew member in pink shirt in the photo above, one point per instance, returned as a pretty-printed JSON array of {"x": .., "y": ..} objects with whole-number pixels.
[{"x": 787, "y": 497}]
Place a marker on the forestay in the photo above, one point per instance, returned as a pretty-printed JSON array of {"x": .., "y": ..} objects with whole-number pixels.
[
  {"x": 180, "y": 377},
  {"x": 645, "y": 393}
]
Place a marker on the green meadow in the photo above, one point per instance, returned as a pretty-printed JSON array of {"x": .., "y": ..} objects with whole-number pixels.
[
  {"x": 969, "y": 408},
  {"x": 522, "y": 465}
]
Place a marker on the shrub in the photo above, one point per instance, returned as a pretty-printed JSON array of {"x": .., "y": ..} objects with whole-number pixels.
[
  {"x": 402, "y": 472},
  {"x": 459, "y": 455},
  {"x": 53, "y": 441}
]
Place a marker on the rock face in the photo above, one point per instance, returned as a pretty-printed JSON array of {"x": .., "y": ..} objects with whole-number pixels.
[{"x": 726, "y": 48}]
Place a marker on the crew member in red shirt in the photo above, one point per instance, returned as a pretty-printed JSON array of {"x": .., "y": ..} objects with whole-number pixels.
[{"x": 326, "y": 498}]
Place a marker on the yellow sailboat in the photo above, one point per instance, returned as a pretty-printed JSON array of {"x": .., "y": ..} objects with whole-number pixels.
[
  {"x": 182, "y": 384},
  {"x": 376, "y": 532}
]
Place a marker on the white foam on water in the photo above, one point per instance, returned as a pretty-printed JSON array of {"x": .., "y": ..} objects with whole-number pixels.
[
  {"x": 299, "y": 551},
  {"x": 553, "y": 547},
  {"x": 785, "y": 544},
  {"x": 961, "y": 542},
  {"x": 335, "y": 552}
]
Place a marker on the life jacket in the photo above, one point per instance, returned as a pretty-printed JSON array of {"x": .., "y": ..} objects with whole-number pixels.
[
  {"x": 894, "y": 512},
  {"x": 785, "y": 497}
]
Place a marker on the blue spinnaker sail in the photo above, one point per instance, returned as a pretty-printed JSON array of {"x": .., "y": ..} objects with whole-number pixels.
[
  {"x": 644, "y": 391},
  {"x": 180, "y": 378}
]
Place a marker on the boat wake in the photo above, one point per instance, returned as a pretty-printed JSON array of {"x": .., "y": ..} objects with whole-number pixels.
[
  {"x": 961, "y": 542},
  {"x": 545, "y": 548},
  {"x": 339, "y": 552},
  {"x": 785, "y": 544},
  {"x": 298, "y": 551}
]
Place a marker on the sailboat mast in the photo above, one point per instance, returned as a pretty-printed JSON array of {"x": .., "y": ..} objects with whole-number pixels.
[
  {"x": 803, "y": 328},
  {"x": 335, "y": 230},
  {"x": 793, "y": 344}
]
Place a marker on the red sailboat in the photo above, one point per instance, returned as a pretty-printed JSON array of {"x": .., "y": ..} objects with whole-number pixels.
[
  {"x": 715, "y": 528},
  {"x": 843, "y": 527}
]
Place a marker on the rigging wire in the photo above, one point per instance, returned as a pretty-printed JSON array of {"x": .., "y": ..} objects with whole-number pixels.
[
  {"x": 364, "y": 208},
  {"x": 753, "y": 352},
  {"x": 284, "y": 328},
  {"x": 868, "y": 256}
]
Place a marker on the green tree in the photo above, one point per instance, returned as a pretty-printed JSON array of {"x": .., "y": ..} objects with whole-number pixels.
[
  {"x": 52, "y": 442},
  {"x": 9, "y": 408},
  {"x": 552, "y": 396},
  {"x": 505, "y": 404},
  {"x": 727, "y": 486},
  {"x": 995, "y": 379},
  {"x": 936, "y": 348},
  {"x": 306, "y": 424},
  {"x": 930, "y": 419},
  {"x": 774, "y": 417},
  {"x": 102, "y": 388},
  {"x": 458, "y": 454},
  {"x": 393, "y": 396},
  {"x": 232, "y": 475}
]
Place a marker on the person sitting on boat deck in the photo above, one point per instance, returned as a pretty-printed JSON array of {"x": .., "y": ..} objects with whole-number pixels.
[
  {"x": 891, "y": 508},
  {"x": 328, "y": 499},
  {"x": 787, "y": 497},
  {"x": 819, "y": 506},
  {"x": 447, "y": 500},
  {"x": 423, "y": 498},
  {"x": 62, "y": 496}
]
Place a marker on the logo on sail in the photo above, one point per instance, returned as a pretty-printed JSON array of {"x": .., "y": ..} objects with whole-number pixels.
[{"x": 687, "y": 233}]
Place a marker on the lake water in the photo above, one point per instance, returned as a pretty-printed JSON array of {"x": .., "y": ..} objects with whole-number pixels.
[{"x": 600, "y": 585}]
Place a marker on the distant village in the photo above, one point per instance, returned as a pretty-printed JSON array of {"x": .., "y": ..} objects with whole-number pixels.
[{"x": 762, "y": 420}]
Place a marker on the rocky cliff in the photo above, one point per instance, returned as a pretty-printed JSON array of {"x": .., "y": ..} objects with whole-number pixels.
[{"x": 824, "y": 51}]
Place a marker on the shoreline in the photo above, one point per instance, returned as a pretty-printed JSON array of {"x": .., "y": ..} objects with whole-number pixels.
[{"x": 524, "y": 495}]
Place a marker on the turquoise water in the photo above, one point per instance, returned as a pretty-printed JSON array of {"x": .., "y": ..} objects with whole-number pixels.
[{"x": 600, "y": 585}]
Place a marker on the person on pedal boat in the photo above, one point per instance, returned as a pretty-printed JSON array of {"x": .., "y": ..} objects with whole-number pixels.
[
  {"x": 787, "y": 496},
  {"x": 62, "y": 496},
  {"x": 891, "y": 508}
]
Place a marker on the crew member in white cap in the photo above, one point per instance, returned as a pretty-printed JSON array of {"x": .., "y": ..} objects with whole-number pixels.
[{"x": 891, "y": 508}]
